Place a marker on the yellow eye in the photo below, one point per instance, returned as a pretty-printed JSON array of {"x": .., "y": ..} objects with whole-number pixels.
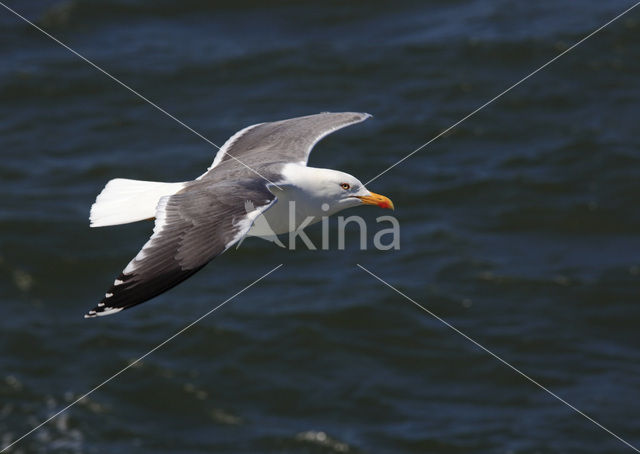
[{"x": 345, "y": 186}]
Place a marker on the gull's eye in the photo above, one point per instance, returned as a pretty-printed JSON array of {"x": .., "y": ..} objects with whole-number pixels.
[{"x": 345, "y": 186}]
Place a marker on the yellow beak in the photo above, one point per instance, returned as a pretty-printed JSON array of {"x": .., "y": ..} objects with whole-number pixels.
[{"x": 377, "y": 199}]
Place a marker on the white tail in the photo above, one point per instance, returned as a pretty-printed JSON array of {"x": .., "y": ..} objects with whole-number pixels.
[{"x": 123, "y": 201}]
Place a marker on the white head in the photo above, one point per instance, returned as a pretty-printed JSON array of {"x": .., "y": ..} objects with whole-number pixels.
[{"x": 338, "y": 190}]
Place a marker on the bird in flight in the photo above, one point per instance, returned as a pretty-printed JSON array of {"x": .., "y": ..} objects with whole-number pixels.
[{"x": 255, "y": 179}]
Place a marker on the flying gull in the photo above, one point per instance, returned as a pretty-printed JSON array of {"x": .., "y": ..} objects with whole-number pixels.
[{"x": 247, "y": 191}]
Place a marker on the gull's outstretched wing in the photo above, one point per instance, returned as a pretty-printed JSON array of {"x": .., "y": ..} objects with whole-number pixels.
[
  {"x": 191, "y": 228},
  {"x": 282, "y": 141}
]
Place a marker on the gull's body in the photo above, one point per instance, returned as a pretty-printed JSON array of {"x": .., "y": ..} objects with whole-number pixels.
[{"x": 246, "y": 191}]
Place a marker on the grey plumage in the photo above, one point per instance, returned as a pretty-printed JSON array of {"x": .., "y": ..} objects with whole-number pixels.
[{"x": 285, "y": 141}]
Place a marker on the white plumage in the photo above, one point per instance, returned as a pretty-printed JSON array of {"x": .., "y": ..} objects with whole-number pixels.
[{"x": 123, "y": 201}]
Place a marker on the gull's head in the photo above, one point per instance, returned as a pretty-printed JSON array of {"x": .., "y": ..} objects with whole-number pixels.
[{"x": 336, "y": 191}]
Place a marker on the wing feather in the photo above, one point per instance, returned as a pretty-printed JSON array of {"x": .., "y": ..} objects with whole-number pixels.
[
  {"x": 192, "y": 228},
  {"x": 281, "y": 141}
]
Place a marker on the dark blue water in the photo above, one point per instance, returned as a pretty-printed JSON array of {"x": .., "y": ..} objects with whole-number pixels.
[{"x": 520, "y": 227}]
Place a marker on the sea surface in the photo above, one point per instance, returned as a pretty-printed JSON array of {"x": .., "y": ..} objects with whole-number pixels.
[{"x": 520, "y": 227}]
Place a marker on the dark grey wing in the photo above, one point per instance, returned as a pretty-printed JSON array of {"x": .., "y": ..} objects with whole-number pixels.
[
  {"x": 191, "y": 228},
  {"x": 282, "y": 141}
]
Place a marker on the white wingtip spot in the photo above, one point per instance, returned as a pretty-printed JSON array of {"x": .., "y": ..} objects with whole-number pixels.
[
  {"x": 117, "y": 282},
  {"x": 90, "y": 314},
  {"x": 109, "y": 311},
  {"x": 107, "y": 295}
]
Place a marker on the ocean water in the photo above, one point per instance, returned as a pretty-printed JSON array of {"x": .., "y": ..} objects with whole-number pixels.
[{"x": 520, "y": 227}]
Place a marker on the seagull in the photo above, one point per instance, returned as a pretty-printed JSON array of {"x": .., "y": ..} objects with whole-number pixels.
[{"x": 256, "y": 178}]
